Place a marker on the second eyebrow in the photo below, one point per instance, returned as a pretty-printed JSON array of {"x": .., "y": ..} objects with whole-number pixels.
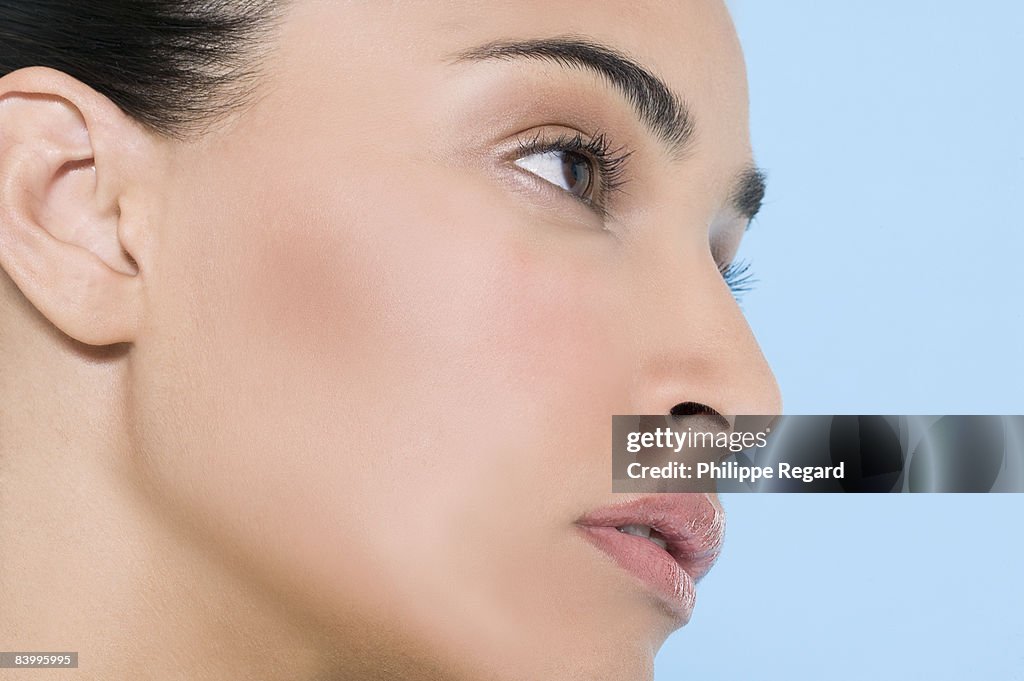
[{"x": 658, "y": 107}]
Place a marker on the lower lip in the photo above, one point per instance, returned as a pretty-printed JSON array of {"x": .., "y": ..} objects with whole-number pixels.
[{"x": 651, "y": 564}]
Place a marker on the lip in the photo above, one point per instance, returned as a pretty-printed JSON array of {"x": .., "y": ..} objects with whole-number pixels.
[{"x": 693, "y": 528}]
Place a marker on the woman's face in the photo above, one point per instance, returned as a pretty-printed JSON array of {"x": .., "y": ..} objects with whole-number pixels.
[{"x": 390, "y": 316}]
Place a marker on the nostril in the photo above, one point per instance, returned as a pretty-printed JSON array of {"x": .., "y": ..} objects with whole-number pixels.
[
  {"x": 699, "y": 409},
  {"x": 693, "y": 409}
]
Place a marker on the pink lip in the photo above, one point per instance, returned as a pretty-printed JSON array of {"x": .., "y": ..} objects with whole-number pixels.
[{"x": 693, "y": 528}]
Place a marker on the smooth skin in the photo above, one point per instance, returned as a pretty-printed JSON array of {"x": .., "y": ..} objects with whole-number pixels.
[{"x": 321, "y": 393}]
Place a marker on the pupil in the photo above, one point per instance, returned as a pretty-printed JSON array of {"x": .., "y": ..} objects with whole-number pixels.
[{"x": 576, "y": 170}]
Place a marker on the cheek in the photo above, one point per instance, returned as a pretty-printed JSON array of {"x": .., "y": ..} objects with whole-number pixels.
[
  {"x": 433, "y": 303},
  {"x": 375, "y": 382},
  {"x": 460, "y": 349}
]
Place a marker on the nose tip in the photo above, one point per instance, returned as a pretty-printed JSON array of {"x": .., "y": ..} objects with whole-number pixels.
[{"x": 734, "y": 380}]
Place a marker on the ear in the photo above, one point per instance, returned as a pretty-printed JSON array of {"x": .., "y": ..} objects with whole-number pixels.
[{"x": 68, "y": 158}]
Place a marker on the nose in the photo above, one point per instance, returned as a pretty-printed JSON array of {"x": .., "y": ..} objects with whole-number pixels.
[{"x": 695, "y": 350}]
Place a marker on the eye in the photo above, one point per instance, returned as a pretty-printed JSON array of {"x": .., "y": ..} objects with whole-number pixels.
[
  {"x": 588, "y": 169},
  {"x": 568, "y": 170}
]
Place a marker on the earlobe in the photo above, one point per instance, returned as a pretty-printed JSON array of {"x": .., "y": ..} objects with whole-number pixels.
[{"x": 64, "y": 168}]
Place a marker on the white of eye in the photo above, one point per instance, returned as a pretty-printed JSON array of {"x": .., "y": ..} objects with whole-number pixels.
[{"x": 565, "y": 169}]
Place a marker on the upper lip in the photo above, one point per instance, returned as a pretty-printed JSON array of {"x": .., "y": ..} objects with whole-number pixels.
[{"x": 692, "y": 524}]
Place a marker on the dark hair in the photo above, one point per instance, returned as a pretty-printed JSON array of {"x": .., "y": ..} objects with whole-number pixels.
[{"x": 170, "y": 64}]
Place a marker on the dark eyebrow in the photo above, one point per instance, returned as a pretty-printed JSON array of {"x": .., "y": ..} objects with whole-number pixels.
[
  {"x": 748, "y": 192},
  {"x": 658, "y": 107}
]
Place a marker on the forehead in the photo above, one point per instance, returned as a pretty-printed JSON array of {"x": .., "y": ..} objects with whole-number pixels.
[
  {"x": 690, "y": 44},
  {"x": 663, "y": 34}
]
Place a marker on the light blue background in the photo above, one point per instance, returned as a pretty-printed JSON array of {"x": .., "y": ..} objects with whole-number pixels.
[{"x": 889, "y": 257}]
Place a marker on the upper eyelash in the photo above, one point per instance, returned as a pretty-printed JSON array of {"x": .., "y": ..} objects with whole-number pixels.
[
  {"x": 738, "y": 277},
  {"x": 611, "y": 162}
]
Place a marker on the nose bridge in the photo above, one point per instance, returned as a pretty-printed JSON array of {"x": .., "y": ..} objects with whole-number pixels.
[{"x": 695, "y": 345}]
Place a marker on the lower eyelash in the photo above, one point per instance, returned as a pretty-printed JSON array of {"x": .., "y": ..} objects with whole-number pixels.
[{"x": 738, "y": 277}]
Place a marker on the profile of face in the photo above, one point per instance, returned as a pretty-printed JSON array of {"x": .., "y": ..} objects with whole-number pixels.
[{"x": 373, "y": 326}]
